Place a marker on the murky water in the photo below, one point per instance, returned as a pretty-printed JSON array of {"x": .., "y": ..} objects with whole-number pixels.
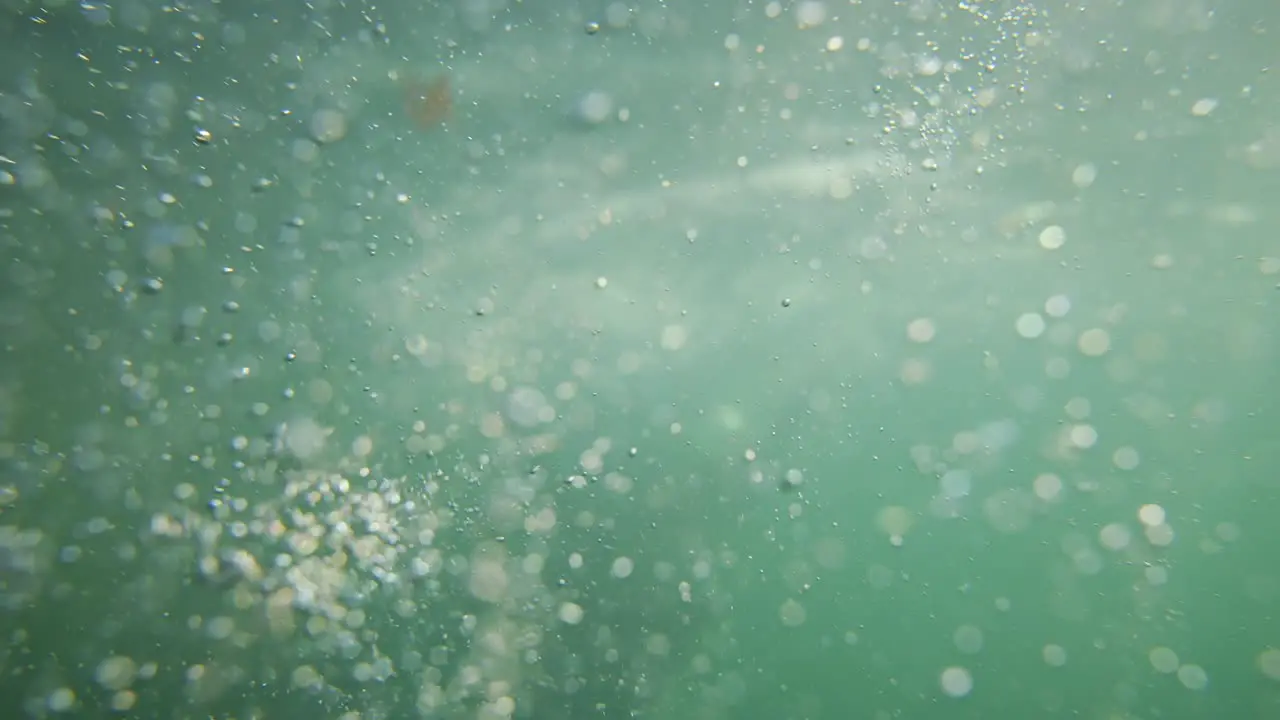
[{"x": 488, "y": 359}]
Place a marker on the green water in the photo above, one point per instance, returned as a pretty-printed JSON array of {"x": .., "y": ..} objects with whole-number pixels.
[{"x": 682, "y": 360}]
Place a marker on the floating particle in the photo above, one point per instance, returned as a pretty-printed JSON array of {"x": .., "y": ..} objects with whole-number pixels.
[
  {"x": 193, "y": 316},
  {"x": 956, "y": 681},
  {"x": 968, "y": 639},
  {"x": 1084, "y": 175},
  {"x": 203, "y": 136},
  {"x": 1125, "y": 458},
  {"x": 1094, "y": 342},
  {"x": 928, "y": 66},
  {"x": 1054, "y": 655},
  {"x": 1163, "y": 659},
  {"x": 571, "y": 613},
  {"x": 116, "y": 672},
  {"x": 791, "y": 613},
  {"x": 594, "y": 108},
  {"x": 328, "y": 126},
  {"x": 617, "y": 15},
  {"x": 1057, "y": 306},
  {"x": 1160, "y": 535},
  {"x": 61, "y": 699},
  {"x": 1114, "y": 536},
  {"x": 1078, "y": 408},
  {"x": 1269, "y": 663},
  {"x": 622, "y": 567},
  {"x": 488, "y": 581},
  {"x": 894, "y": 521},
  {"x": 1151, "y": 515},
  {"x": 674, "y": 337},
  {"x": 956, "y": 483},
  {"x": 503, "y": 707},
  {"x": 921, "y": 330},
  {"x": 1053, "y": 237},
  {"x": 1083, "y": 436},
  {"x": 809, "y": 14},
  {"x": 1030, "y": 325},
  {"x": 428, "y": 102},
  {"x": 1193, "y": 677},
  {"x": 1203, "y": 107},
  {"x": 124, "y": 700}
]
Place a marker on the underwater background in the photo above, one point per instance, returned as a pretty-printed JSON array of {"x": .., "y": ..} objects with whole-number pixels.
[{"x": 587, "y": 359}]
